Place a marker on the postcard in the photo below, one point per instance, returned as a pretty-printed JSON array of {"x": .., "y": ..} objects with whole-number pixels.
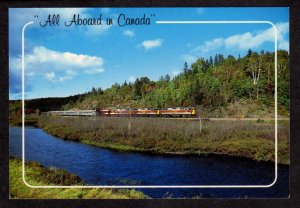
[{"x": 149, "y": 102}]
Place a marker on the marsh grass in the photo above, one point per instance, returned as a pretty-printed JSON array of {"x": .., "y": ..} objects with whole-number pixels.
[
  {"x": 30, "y": 120},
  {"x": 36, "y": 174},
  {"x": 171, "y": 136}
]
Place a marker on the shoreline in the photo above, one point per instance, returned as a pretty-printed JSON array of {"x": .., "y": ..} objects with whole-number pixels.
[
  {"x": 184, "y": 154},
  {"x": 121, "y": 148},
  {"x": 38, "y": 174},
  {"x": 234, "y": 147}
]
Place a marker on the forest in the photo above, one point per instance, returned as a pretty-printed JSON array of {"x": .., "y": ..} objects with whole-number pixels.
[
  {"x": 216, "y": 84},
  {"x": 210, "y": 83}
]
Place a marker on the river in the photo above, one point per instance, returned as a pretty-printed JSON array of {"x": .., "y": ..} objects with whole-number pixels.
[{"x": 98, "y": 166}]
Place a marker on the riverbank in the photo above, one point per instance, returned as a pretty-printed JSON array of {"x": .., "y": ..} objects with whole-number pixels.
[
  {"x": 36, "y": 174},
  {"x": 30, "y": 120},
  {"x": 251, "y": 139}
]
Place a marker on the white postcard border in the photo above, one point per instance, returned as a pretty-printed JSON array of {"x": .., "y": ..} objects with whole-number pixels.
[{"x": 158, "y": 186}]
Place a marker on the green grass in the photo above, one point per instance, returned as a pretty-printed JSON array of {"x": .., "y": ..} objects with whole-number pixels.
[
  {"x": 249, "y": 139},
  {"x": 36, "y": 174}
]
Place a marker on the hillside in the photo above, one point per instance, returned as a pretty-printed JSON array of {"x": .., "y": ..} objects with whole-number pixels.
[
  {"x": 218, "y": 87},
  {"x": 221, "y": 86}
]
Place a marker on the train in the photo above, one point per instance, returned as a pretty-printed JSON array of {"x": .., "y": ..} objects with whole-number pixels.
[
  {"x": 73, "y": 113},
  {"x": 131, "y": 112}
]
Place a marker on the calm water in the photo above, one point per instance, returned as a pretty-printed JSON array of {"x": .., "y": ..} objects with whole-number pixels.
[{"x": 101, "y": 167}]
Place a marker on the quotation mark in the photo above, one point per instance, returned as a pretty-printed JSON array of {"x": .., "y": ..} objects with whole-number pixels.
[{"x": 36, "y": 16}]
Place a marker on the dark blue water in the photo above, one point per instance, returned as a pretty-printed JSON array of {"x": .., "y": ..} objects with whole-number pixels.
[{"x": 99, "y": 166}]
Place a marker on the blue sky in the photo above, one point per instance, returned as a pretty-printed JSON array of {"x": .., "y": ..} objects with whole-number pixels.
[{"x": 63, "y": 61}]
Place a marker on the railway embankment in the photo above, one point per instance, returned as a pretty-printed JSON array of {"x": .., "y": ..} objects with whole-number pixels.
[{"x": 253, "y": 139}]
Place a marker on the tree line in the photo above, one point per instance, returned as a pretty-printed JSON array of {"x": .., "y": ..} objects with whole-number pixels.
[{"x": 212, "y": 82}]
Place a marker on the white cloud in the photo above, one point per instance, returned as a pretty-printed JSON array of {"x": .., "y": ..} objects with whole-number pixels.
[
  {"x": 132, "y": 79},
  {"x": 176, "y": 72},
  {"x": 59, "y": 60},
  {"x": 248, "y": 40},
  {"x": 94, "y": 71},
  {"x": 150, "y": 44},
  {"x": 18, "y": 17},
  {"x": 56, "y": 65},
  {"x": 283, "y": 30},
  {"x": 284, "y": 45},
  {"x": 188, "y": 58},
  {"x": 200, "y": 10},
  {"x": 129, "y": 33},
  {"x": 98, "y": 29},
  {"x": 50, "y": 76},
  {"x": 68, "y": 76},
  {"x": 210, "y": 45}
]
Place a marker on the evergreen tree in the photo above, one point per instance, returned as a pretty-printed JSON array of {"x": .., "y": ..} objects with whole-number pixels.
[
  {"x": 194, "y": 68},
  {"x": 197, "y": 93},
  {"x": 211, "y": 62},
  {"x": 100, "y": 91},
  {"x": 249, "y": 53},
  {"x": 94, "y": 91},
  {"x": 137, "y": 87},
  {"x": 186, "y": 68},
  {"x": 221, "y": 58},
  {"x": 205, "y": 65},
  {"x": 144, "y": 80},
  {"x": 167, "y": 78},
  {"x": 216, "y": 60}
]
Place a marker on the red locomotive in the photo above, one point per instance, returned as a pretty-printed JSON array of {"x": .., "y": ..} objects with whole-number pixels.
[{"x": 149, "y": 112}]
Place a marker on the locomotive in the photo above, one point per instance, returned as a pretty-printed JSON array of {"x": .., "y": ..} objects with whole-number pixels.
[{"x": 149, "y": 112}]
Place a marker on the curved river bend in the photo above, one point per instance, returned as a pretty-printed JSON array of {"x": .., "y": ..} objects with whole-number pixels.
[{"x": 99, "y": 166}]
